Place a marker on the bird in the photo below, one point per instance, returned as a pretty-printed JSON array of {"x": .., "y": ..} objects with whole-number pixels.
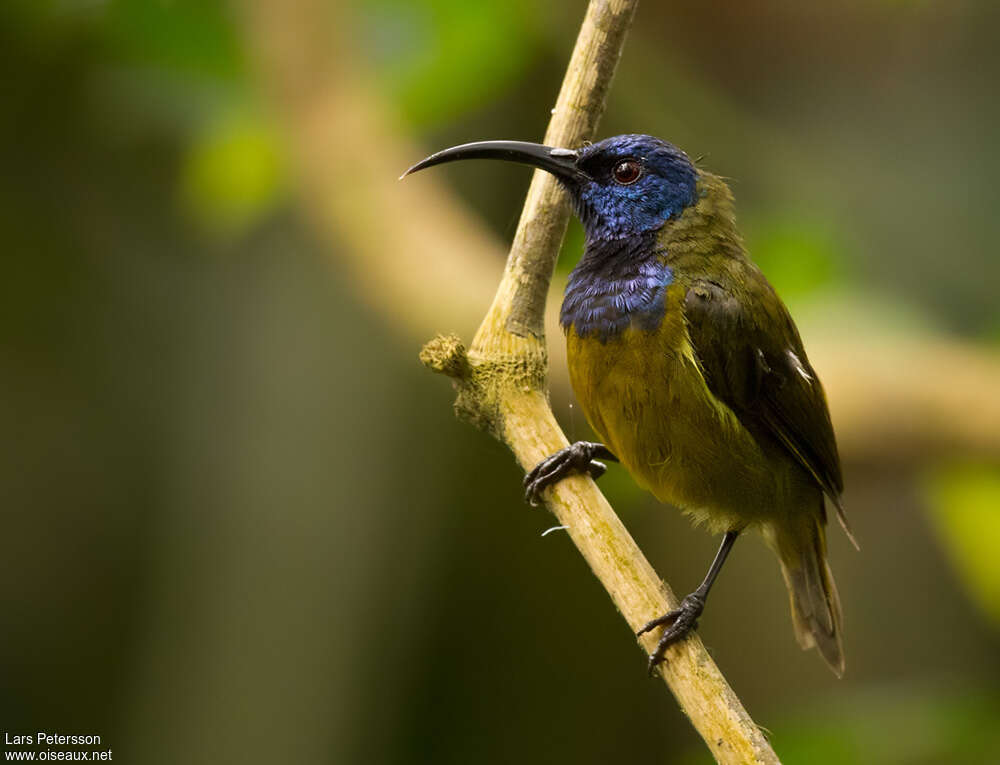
[{"x": 690, "y": 370}]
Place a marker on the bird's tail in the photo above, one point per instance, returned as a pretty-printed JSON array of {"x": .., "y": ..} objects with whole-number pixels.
[{"x": 816, "y": 613}]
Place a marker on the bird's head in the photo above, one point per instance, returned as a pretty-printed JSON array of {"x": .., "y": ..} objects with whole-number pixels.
[{"x": 621, "y": 186}]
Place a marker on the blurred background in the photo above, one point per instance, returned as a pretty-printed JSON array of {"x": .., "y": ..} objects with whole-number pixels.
[{"x": 240, "y": 522}]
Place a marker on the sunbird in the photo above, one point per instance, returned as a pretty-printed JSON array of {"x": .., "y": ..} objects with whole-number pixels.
[{"x": 690, "y": 369}]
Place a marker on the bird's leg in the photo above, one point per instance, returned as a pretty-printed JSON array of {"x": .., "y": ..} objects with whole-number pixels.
[
  {"x": 580, "y": 457},
  {"x": 684, "y": 619}
]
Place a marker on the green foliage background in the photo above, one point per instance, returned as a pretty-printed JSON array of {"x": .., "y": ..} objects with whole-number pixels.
[{"x": 240, "y": 523}]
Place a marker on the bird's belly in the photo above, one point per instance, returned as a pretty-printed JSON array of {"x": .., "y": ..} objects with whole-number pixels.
[{"x": 644, "y": 394}]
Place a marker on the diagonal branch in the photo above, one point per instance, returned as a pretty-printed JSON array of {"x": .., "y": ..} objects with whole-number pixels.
[{"x": 501, "y": 388}]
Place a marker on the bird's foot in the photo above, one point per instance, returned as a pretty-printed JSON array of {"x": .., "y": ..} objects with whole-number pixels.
[
  {"x": 681, "y": 621},
  {"x": 575, "y": 458}
]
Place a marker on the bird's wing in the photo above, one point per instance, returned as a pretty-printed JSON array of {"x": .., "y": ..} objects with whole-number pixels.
[{"x": 753, "y": 361}]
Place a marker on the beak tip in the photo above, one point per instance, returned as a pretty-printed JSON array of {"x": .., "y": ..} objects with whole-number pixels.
[{"x": 419, "y": 166}]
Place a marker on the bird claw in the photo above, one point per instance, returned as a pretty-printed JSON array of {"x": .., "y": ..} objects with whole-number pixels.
[
  {"x": 681, "y": 622},
  {"x": 575, "y": 458}
]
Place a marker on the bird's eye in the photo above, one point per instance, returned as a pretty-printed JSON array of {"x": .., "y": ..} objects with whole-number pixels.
[{"x": 627, "y": 171}]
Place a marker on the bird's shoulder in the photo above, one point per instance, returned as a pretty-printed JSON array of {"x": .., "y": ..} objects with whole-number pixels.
[{"x": 753, "y": 360}]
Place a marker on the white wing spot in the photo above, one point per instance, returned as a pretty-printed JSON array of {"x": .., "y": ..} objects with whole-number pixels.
[{"x": 798, "y": 367}]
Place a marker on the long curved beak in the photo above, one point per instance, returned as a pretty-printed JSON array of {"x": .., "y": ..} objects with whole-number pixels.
[{"x": 560, "y": 162}]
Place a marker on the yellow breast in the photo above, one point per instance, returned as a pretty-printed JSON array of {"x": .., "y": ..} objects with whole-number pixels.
[{"x": 643, "y": 392}]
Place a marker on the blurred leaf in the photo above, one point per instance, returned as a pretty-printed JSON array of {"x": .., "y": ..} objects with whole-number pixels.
[
  {"x": 890, "y": 725},
  {"x": 992, "y": 334},
  {"x": 41, "y": 17},
  {"x": 233, "y": 173},
  {"x": 196, "y": 36},
  {"x": 439, "y": 58},
  {"x": 965, "y": 507},
  {"x": 799, "y": 255}
]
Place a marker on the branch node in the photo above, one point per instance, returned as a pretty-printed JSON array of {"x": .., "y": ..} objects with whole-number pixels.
[{"x": 445, "y": 354}]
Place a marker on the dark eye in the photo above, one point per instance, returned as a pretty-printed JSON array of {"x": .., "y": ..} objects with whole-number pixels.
[{"x": 627, "y": 171}]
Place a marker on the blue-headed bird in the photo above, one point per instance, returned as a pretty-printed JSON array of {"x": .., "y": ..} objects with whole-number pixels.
[{"x": 690, "y": 369}]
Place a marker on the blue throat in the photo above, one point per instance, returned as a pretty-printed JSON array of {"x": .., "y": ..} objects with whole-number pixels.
[
  {"x": 622, "y": 278},
  {"x": 617, "y": 282}
]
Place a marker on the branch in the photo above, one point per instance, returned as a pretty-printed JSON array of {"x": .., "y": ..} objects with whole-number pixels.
[{"x": 501, "y": 388}]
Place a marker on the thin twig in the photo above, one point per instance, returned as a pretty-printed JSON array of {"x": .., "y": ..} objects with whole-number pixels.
[{"x": 501, "y": 387}]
